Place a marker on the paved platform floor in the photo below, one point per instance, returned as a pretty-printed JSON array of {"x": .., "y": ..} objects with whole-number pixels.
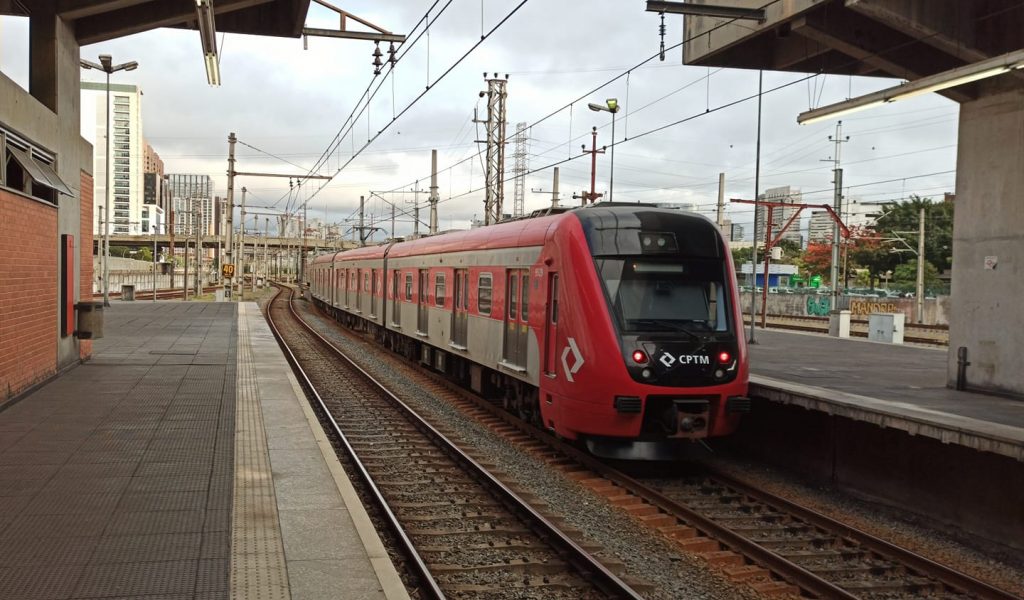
[
  {"x": 180, "y": 462},
  {"x": 892, "y": 385}
]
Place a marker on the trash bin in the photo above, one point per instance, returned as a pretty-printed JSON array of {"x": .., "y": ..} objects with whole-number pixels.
[
  {"x": 128, "y": 292},
  {"x": 90, "y": 320}
]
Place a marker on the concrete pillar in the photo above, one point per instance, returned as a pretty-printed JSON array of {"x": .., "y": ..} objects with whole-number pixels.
[
  {"x": 54, "y": 81},
  {"x": 988, "y": 243}
]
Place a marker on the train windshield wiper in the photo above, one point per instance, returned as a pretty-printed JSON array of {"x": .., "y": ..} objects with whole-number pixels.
[{"x": 668, "y": 324}]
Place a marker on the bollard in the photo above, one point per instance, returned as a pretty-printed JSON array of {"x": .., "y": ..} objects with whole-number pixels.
[{"x": 961, "y": 368}]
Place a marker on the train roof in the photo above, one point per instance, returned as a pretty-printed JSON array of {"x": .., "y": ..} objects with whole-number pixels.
[{"x": 524, "y": 232}]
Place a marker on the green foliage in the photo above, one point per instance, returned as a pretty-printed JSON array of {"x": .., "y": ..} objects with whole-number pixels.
[
  {"x": 741, "y": 256},
  {"x": 905, "y": 275}
]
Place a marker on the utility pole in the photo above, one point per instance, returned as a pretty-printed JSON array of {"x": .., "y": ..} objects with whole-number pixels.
[
  {"x": 171, "y": 244},
  {"x": 302, "y": 253},
  {"x": 721, "y": 203},
  {"x": 240, "y": 272},
  {"x": 433, "y": 192},
  {"x": 199, "y": 248},
  {"x": 266, "y": 245},
  {"x": 837, "y": 206},
  {"x": 757, "y": 197},
  {"x": 392, "y": 221},
  {"x": 919, "y": 290},
  {"x": 494, "y": 195},
  {"x": 184, "y": 289},
  {"x": 362, "y": 228},
  {"x": 519, "y": 169},
  {"x": 229, "y": 281},
  {"x": 593, "y": 152},
  {"x": 554, "y": 190}
]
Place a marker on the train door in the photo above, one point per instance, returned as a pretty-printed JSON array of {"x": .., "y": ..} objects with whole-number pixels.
[
  {"x": 551, "y": 326},
  {"x": 516, "y": 312},
  {"x": 359, "y": 291},
  {"x": 422, "y": 315},
  {"x": 348, "y": 287},
  {"x": 460, "y": 309},
  {"x": 373, "y": 293},
  {"x": 396, "y": 313}
]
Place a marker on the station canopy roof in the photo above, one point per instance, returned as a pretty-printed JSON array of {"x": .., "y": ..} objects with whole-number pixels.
[{"x": 101, "y": 20}]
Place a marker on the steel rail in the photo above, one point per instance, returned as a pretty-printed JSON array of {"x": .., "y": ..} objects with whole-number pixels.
[
  {"x": 605, "y": 580},
  {"x": 926, "y": 566},
  {"x": 429, "y": 584},
  {"x": 779, "y": 565}
]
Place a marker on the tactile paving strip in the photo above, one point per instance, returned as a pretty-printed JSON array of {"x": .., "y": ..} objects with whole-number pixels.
[{"x": 257, "y": 552}]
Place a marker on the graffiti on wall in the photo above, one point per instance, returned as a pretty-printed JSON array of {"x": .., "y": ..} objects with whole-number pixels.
[
  {"x": 818, "y": 306},
  {"x": 866, "y": 307}
]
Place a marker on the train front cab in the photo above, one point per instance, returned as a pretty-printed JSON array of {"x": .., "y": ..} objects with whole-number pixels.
[{"x": 645, "y": 354}]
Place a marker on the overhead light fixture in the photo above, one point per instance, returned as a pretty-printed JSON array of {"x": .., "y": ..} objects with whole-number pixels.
[
  {"x": 925, "y": 85},
  {"x": 208, "y": 39}
]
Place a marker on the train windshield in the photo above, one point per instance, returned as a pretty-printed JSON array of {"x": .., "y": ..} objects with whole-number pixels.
[{"x": 652, "y": 296}]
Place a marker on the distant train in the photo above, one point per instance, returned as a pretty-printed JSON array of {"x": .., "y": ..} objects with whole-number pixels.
[{"x": 615, "y": 324}]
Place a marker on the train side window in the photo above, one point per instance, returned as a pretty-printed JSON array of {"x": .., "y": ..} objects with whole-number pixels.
[
  {"x": 554, "y": 299},
  {"x": 483, "y": 294},
  {"x": 366, "y": 281},
  {"x": 439, "y": 289},
  {"x": 408, "y": 287},
  {"x": 526, "y": 295}
]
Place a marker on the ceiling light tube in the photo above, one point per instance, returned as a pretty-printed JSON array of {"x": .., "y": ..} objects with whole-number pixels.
[
  {"x": 833, "y": 111},
  {"x": 932, "y": 83},
  {"x": 212, "y": 69}
]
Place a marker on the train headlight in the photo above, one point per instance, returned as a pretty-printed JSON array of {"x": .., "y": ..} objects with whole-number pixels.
[
  {"x": 724, "y": 357},
  {"x": 640, "y": 357}
]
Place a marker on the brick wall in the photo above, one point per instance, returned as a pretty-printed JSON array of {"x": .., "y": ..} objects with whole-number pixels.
[
  {"x": 85, "y": 255},
  {"x": 28, "y": 292}
]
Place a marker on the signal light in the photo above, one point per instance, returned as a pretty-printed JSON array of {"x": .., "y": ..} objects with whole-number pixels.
[
  {"x": 639, "y": 357},
  {"x": 724, "y": 357}
]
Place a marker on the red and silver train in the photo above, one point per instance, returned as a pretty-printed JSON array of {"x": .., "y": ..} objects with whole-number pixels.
[{"x": 617, "y": 325}]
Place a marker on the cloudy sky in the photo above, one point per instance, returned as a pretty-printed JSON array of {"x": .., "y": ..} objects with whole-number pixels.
[{"x": 292, "y": 103}]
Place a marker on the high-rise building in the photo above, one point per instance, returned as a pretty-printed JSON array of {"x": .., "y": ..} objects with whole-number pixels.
[
  {"x": 154, "y": 186},
  {"x": 855, "y": 214},
  {"x": 780, "y": 215},
  {"x": 128, "y": 155},
  {"x": 192, "y": 202}
]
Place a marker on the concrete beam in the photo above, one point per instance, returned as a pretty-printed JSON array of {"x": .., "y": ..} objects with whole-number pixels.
[
  {"x": 43, "y": 54},
  {"x": 151, "y": 15},
  {"x": 882, "y": 50},
  {"x": 937, "y": 23},
  {"x": 77, "y": 9}
]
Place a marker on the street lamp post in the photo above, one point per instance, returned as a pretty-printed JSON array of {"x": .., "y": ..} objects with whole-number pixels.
[
  {"x": 611, "y": 105},
  {"x": 106, "y": 65}
]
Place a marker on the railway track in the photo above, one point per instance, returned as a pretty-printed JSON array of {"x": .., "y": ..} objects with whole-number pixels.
[
  {"x": 778, "y": 546},
  {"x": 773, "y": 544},
  {"x": 463, "y": 532}
]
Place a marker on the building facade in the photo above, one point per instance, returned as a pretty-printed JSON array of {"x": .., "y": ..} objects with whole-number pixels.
[
  {"x": 128, "y": 150},
  {"x": 780, "y": 216},
  {"x": 192, "y": 203}
]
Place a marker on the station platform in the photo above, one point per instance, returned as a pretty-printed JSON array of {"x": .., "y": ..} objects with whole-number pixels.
[
  {"x": 181, "y": 461},
  {"x": 893, "y": 386}
]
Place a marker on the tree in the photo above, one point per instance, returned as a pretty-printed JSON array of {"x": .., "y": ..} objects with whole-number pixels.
[
  {"x": 817, "y": 259},
  {"x": 905, "y": 275},
  {"x": 741, "y": 255},
  {"x": 900, "y": 221}
]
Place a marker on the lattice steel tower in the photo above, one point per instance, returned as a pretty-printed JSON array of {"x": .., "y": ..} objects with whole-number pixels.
[
  {"x": 494, "y": 196},
  {"x": 521, "y": 166}
]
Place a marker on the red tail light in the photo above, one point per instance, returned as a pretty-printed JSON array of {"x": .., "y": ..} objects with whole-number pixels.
[
  {"x": 639, "y": 357},
  {"x": 724, "y": 357}
]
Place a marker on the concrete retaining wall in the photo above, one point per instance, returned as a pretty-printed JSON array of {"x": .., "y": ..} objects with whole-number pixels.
[{"x": 936, "y": 311}]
